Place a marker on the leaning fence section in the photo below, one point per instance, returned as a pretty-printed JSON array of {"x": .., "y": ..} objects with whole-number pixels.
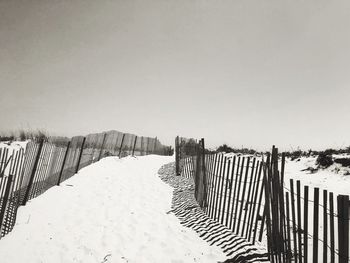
[
  {"x": 27, "y": 172},
  {"x": 251, "y": 197}
]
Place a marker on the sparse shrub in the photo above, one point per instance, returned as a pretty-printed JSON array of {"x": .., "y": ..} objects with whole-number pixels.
[
  {"x": 7, "y": 138},
  {"x": 324, "y": 160},
  {"x": 22, "y": 135},
  {"x": 248, "y": 151},
  {"x": 225, "y": 148},
  {"x": 108, "y": 153},
  {"x": 295, "y": 155},
  {"x": 330, "y": 152},
  {"x": 309, "y": 153},
  {"x": 188, "y": 147},
  {"x": 41, "y": 135},
  {"x": 343, "y": 161},
  {"x": 170, "y": 150},
  {"x": 347, "y": 149}
]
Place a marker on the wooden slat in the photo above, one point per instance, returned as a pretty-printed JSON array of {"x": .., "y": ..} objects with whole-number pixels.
[
  {"x": 300, "y": 249},
  {"x": 331, "y": 228},
  {"x": 121, "y": 147},
  {"x": 63, "y": 163},
  {"x": 243, "y": 195},
  {"x": 343, "y": 228},
  {"x": 248, "y": 201},
  {"x": 325, "y": 226},
  {"x": 217, "y": 188},
  {"x": 251, "y": 191},
  {"x": 211, "y": 184},
  {"x": 235, "y": 215},
  {"x": 81, "y": 153},
  {"x": 216, "y": 169},
  {"x": 229, "y": 207},
  {"x": 102, "y": 146},
  {"x": 316, "y": 225},
  {"x": 267, "y": 212},
  {"x": 282, "y": 209},
  {"x": 295, "y": 244},
  {"x": 220, "y": 192},
  {"x": 257, "y": 205},
  {"x": 225, "y": 197},
  {"x": 306, "y": 219},
  {"x": 289, "y": 253}
]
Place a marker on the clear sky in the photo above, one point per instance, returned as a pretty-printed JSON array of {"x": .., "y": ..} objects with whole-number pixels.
[{"x": 242, "y": 72}]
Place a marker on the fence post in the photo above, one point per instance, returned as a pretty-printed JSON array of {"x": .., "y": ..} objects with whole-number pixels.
[
  {"x": 5, "y": 200},
  {"x": 141, "y": 147},
  {"x": 325, "y": 226},
  {"x": 306, "y": 218},
  {"x": 64, "y": 162},
  {"x": 147, "y": 147},
  {"x": 343, "y": 227},
  {"x": 267, "y": 215},
  {"x": 80, "y": 154},
  {"x": 204, "y": 175},
  {"x": 154, "y": 146},
  {"x": 177, "y": 159},
  {"x": 196, "y": 174},
  {"x": 133, "y": 148},
  {"x": 35, "y": 166},
  {"x": 315, "y": 233},
  {"x": 331, "y": 227},
  {"x": 121, "y": 145},
  {"x": 102, "y": 145}
]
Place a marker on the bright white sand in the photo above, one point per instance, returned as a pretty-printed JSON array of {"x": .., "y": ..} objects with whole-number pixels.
[
  {"x": 331, "y": 178},
  {"x": 112, "y": 211}
]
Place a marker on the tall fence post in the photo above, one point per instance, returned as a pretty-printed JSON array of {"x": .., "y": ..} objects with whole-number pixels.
[
  {"x": 63, "y": 163},
  {"x": 80, "y": 154},
  {"x": 197, "y": 172},
  {"x": 204, "y": 174},
  {"x": 102, "y": 146},
  {"x": 35, "y": 166},
  {"x": 177, "y": 159},
  {"x": 133, "y": 148},
  {"x": 121, "y": 145},
  {"x": 343, "y": 227}
]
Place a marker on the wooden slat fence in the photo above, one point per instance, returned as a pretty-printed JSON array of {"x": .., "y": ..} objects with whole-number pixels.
[
  {"x": 233, "y": 186},
  {"x": 252, "y": 198},
  {"x": 303, "y": 224},
  {"x": 28, "y": 173}
]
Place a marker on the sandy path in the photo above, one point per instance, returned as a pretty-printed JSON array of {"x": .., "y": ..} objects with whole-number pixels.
[{"x": 112, "y": 211}]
